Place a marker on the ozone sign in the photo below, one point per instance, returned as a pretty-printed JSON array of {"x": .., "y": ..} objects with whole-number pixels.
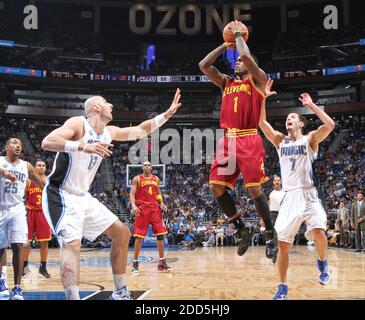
[{"x": 229, "y": 12}]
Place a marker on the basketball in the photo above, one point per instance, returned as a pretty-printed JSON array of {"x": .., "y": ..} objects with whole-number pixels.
[{"x": 228, "y": 35}]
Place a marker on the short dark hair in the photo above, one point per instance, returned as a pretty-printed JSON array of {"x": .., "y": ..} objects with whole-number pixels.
[
  {"x": 39, "y": 160},
  {"x": 9, "y": 140},
  {"x": 302, "y": 119}
]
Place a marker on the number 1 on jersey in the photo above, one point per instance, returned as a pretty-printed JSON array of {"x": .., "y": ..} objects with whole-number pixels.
[{"x": 235, "y": 108}]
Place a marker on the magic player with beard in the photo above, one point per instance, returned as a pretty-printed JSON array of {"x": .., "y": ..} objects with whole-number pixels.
[{"x": 242, "y": 97}]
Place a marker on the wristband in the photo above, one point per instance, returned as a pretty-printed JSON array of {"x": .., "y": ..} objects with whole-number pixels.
[
  {"x": 159, "y": 197},
  {"x": 71, "y": 146},
  {"x": 159, "y": 120}
]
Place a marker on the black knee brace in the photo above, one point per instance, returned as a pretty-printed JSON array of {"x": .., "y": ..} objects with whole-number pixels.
[
  {"x": 263, "y": 210},
  {"x": 226, "y": 203},
  {"x": 160, "y": 237}
]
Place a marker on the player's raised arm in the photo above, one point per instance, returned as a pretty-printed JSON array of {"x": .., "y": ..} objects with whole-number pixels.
[
  {"x": 213, "y": 74},
  {"x": 132, "y": 196},
  {"x": 148, "y": 126},
  {"x": 34, "y": 177},
  {"x": 258, "y": 74},
  {"x": 275, "y": 137},
  {"x": 316, "y": 136},
  {"x": 62, "y": 140}
]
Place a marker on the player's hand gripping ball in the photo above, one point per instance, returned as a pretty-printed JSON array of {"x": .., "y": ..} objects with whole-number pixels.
[{"x": 230, "y": 28}]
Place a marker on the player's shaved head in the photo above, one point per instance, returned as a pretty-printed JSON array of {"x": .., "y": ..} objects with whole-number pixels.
[
  {"x": 146, "y": 163},
  {"x": 90, "y": 103}
]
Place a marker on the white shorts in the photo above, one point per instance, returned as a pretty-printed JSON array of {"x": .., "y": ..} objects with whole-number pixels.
[
  {"x": 13, "y": 226},
  {"x": 298, "y": 206},
  {"x": 72, "y": 217}
]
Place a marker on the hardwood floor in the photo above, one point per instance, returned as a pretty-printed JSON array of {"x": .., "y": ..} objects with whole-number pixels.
[{"x": 212, "y": 273}]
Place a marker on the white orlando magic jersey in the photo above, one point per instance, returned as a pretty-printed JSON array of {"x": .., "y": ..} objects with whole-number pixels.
[
  {"x": 296, "y": 163},
  {"x": 13, "y": 193},
  {"x": 75, "y": 171}
]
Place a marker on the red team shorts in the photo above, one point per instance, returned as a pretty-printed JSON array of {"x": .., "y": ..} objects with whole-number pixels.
[
  {"x": 248, "y": 156},
  {"x": 149, "y": 216},
  {"x": 38, "y": 224}
]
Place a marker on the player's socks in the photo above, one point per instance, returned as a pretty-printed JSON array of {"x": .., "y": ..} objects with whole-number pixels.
[
  {"x": 119, "y": 280},
  {"x": 135, "y": 267},
  {"x": 72, "y": 293}
]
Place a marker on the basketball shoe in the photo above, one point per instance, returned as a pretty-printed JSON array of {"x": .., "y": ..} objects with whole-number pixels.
[
  {"x": 135, "y": 266},
  {"x": 244, "y": 235},
  {"x": 271, "y": 244},
  {"x": 163, "y": 267},
  {"x": 324, "y": 277},
  {"x": 4, "y": 291},
  {"x": 43, "y": 271},
  {"x": 121, "y": 294},
  {"x": 281, "y": 293},
  {"x": 17, "y": 293}
]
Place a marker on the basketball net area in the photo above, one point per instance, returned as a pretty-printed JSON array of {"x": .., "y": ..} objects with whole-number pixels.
[{"x": 134, "y": 170}]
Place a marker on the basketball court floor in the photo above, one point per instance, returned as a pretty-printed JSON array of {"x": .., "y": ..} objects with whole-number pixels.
[{"x": 215, "y": 273}]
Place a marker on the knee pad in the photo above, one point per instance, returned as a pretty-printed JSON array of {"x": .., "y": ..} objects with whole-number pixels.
[{"x": 160, "y": 237}]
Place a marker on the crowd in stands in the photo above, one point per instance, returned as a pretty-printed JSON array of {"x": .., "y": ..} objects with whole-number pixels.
[{"x": 289, "y": 54}]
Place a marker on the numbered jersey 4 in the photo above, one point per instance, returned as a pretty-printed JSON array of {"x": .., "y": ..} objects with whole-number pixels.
[
  {"x": 147, "y": 190},
  {"x": 13, "y": 193},
  {"x": 296, "y": 164},
  {"x": 75, "y": 171}
]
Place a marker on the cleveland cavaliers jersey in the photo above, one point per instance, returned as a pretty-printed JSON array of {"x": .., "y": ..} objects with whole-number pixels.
[
  {"x": 296, "y": 164},
  {"x": 75, "y": 171},
  {"x": 241, "y": 105},
  {"x": 13, "y": 193}
]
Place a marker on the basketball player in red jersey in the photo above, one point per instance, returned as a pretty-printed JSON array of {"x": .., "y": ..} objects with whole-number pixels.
[
  {"x": 147, "y": 203},
  {"x": 242, "y": 97},
  {"x": 36, "y": 221}
]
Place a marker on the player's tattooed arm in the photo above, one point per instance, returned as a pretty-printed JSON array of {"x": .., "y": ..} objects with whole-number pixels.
[
  {"x": 148, "y": 126},
  {"x": 258, "y": 75},
  {"x": 213, "y": 74},
  {"x": 318, "y": 135}
]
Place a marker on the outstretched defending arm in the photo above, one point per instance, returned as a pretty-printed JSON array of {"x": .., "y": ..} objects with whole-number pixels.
[
  {"x": 316, "y": 136},
  {"x": 258, "y": 74},
  {"x": 275, "y": 137},
  {"x": 206, "y": 66},
  {"x": 146, "y": 127}
]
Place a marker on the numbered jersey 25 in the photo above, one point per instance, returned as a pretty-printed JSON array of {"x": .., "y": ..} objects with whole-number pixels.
[{"x": 12, "y": 193}]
